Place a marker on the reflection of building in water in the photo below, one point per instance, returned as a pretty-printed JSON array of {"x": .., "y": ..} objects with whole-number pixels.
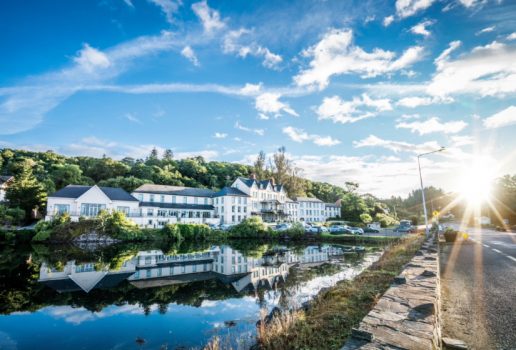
[
  {"x": 85, "y": 276},
  {"x": 153, "y": 268}
]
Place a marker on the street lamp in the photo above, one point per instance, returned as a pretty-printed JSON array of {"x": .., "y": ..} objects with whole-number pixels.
[{"x": 427, "y": 231}]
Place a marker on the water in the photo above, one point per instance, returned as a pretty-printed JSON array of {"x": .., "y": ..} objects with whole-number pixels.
[{"x": 159, "y": 297}]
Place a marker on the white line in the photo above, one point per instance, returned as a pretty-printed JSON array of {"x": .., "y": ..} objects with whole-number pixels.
[
  {"x": 511, "y": 257},
  {"x": 485, "y": 245},
  {"x": 496, "y": 250}
]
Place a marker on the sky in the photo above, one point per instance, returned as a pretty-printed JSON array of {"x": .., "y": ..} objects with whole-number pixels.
[{"x": 354, "y": 90}]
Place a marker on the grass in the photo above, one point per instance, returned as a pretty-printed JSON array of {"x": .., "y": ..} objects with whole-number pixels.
[{"x": 328, "y": 323}]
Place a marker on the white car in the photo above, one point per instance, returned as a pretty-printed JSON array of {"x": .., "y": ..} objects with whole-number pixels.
[{"x": 356, "y": 230}]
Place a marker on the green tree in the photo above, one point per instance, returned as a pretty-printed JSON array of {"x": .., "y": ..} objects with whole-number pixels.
[
  {"x": 25, "y": 191},
  {"x": 66, "y": 174}
]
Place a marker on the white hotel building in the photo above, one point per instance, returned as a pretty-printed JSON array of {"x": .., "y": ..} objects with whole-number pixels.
[{"x": 157, "y": 205}]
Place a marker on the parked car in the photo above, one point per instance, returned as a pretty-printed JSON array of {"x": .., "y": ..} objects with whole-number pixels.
[
  {"x": 225, "y": 227},
  {"x": 282, "y": 227},
  {"x": 404, "y": 229},
  {"x": 371, "y": 230},
  {"x": 315, "y": 229},
  {"x": 357, "y": 230},
  {"x": 336, "y": 228}
]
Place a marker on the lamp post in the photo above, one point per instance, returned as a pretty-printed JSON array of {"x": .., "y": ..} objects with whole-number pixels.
[{"x": 427, "y": 231}]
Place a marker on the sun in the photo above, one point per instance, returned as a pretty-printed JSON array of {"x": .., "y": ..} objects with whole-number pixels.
[{"x": 476, "y": 182}]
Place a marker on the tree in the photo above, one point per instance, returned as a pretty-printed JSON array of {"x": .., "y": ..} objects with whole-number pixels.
[
  {"x": 365, "y": 218},
  {"x": 66, "y": 174},
  {"x": 259, "y": 166},
  {"x": 25, "y": 191},
  {"x": 129, "y": 183},
  {"x": 168, "y": 156}
]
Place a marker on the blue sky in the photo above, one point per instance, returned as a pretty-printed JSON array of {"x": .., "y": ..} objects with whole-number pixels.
[{"x": 353, "y": 89}]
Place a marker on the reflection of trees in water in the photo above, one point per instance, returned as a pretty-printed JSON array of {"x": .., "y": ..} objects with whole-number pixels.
[{"x": 20, "y": 290}]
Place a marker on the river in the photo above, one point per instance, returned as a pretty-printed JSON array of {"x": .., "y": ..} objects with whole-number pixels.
[{"x": 156, "y": 296}]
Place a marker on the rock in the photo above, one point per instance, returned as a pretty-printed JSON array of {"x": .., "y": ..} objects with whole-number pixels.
[
  {"x": 362, "y": 335},
  {"x": 419, "y": 253},
  {"x": 425, "y": 309},
  {"x": 430, "y": 258},
  {"x": 449, "y": 343},
  {"x": 400, "y": 279}
]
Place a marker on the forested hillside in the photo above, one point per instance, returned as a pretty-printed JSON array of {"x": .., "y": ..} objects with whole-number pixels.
[{"x": 38, "y": 174}]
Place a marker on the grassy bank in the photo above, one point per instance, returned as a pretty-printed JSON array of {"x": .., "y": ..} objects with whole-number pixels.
[{"x": 328, "y": 322}]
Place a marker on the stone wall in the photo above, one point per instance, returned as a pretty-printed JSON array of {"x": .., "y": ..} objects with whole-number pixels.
[{"x": 408, "y": 314}]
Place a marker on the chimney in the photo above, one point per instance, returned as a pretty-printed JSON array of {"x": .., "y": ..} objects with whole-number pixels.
[
  {"x": 273, "y": 182},
  {"x": 253, "y": 176}
]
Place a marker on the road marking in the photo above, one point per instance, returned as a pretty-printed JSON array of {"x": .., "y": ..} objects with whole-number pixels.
[
  {"x": 511, "y": 257},
  {"x": 485, "y": 245},
  {"x": 496, "y": 250}
]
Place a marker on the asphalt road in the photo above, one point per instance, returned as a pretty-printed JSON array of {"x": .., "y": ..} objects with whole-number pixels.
[{"x": 478, "y": 280}]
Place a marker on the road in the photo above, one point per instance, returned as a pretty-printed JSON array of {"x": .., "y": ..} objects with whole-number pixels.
[{"x": 478, "y": 280}]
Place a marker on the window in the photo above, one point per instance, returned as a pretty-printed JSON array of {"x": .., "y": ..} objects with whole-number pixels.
[
  {"x": 162, "y": 198},
  {"x": 148, "y": 273},
  {"x": 62, "y": 208},
  {"x": 233, "y": 209},
  {"x": 185, "y": 200},
  {"x": 150, "y": 212},
  {"x": 160, "y": 272},
  {"x": 124, "y": 210},
  {"x": 91, "y": 209},
  {"x": 196, "y": 200},
  {"x": 151, "y": 198},
  {"x": 140, "y": 197},
  {"x": 173, "y": 199},
  {"x": 194, "y": 268},
  {"x": 206, "y": 201}
]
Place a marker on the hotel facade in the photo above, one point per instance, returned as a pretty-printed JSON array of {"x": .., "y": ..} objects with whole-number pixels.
[{"x": 157, "y": 205}]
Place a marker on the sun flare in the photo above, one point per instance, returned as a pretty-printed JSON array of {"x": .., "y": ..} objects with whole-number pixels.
[{"x": 476, "y": 182}]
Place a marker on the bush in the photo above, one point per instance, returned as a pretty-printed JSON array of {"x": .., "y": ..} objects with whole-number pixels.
[
  {"x": 366, "y": 218},
  {"x": 450, "y": 235},
  {"x": 385, "y": 220},
  {"x": 296, "y": 231},
  {"x": 252, "y": 227}
]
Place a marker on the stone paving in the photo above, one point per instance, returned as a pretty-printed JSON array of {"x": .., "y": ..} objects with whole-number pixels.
[{"x": 407, "y": 315}]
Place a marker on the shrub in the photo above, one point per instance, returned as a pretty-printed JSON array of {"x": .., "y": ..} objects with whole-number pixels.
[
  {"x": 450, "y": 235},
  {"x": 296, "y": 231},
  {"x": 366, "y": 218},
  {"x": 11, "y": 216},
  {"x": 250, "y": 227}
]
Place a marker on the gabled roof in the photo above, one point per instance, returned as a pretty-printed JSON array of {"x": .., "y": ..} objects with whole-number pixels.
[
  {"x": 75, "y": 191},
  {"x": 174, "y": 190},
  {"x": 308, "y": 199},
  {"x": 261, "y": 184},
  {"x": 230, "y": 191},
  {"x": 5, "y": 178}
]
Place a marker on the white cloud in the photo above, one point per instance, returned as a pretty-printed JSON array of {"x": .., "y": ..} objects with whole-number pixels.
[
  {"x": 132, "y": 118},
  {"x": 433, "y": 125},
  {"x": 251, "y": 89},
  {"x": 333, "y": 108},
  {"x": 485, "y": 30},
  {"x": 220, "y": 135},
  {"x": 189, "y": 53},
  {"x": 23, "y": 107},
  {"x": 91, "y": 59},
  {"x": 487, "y": 70},
  {"x": 335, "y": 54},
  {"x": 511, "y": 36},
  {"x": 168, "y": 7},
  {"x": 209, "y": 17},
  {"x": 416, "y": 101},
  {"x": 387, "y": 21},
  {"x": 299, "y": 135},
  {"x": 503, "y": 118},
  {"x": 421, "y": 28},
  {"x": 443, "y": 57},
  {"x": 396, "y": 146},
  {"x": 269, "y": 103},
  {"x": 407, "y": 8},
  {"x": 129, "y": 3},
  {"x": 238, "y": 42},
  {"x": 461, "y": 140},
  {"x": 259, "y": 132}
]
